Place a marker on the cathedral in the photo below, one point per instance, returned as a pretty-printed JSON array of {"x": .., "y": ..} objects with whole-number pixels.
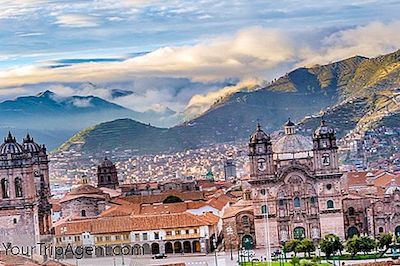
[
  {"x": 25, "y": 211},
  {"x": 295, "y": 186}
]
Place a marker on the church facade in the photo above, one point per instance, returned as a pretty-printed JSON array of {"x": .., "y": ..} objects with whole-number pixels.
[
  {"x": 25, "y": 211},
  {"x": 295, "y": 186}
]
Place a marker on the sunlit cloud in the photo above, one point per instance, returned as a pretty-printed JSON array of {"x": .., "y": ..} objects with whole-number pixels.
[{"x": 77, "y": 21}]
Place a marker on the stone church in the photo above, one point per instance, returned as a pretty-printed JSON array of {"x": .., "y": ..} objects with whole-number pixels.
[
  {"x": 25, "y": 211},
  {"x": 295, "y": 186}
]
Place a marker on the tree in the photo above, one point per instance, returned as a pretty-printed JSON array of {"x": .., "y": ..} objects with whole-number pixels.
[
  {"x": 306, "y": 245},
  {"x": 295, "y": 261},
  {"x": 384, "y": 241},
  {"x": 353, "y": 245},
  {"x": 330, "y": 244},
  {"x": 367, "y": 244},
  {"x": 291, "y": 246}
]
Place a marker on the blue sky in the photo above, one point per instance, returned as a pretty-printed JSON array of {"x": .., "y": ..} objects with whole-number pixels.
[{"x": 199, "y": 41}]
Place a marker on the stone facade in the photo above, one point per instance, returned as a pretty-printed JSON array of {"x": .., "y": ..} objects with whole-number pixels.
[
  {"x": 295, "y": 186},
  {"x": 25, "y": 211}
]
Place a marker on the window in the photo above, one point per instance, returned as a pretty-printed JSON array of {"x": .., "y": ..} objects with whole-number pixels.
[
  {"x": 328, "y": 186},
  {"x": 77, "y": 238},
  {"x": 195, "y": 231},
  {"x": 296, "y": 202},
  {"x": 117, "y": 237},
  {"x": 125, "y": 237},
  {"x": 264, "y": 209},
  {"x": 177, "y": 232},
  {"x": 156, "y": 235},
  {"x": 137, "y": 237},
  {"x": 169, "y": 233},
  {"x": 313, "y": 200},
  {"x": 99, "y": 238},
  {"x": 263, "y": 191},
  {"x": 329, "y": 204},
  {"x": 144, "y": 235},
  {"x": 83, "y": 213},
  {"x": 281, "y": 202},
  {"x": 380, "y": 229},
  {"x": 351, "y": 211},
  {"x": 187, "y": 232},
  {"x": 108, "y": 238},
  {"x": 18, "y": 187},
  {"x": 299, "y": 233},
  {"x": 15, "y": 220},
  {"x": 4, "y": 189},
  {"x": 245, "y": 220}
]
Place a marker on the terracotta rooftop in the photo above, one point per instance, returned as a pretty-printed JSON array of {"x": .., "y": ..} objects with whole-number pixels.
[
  {"x": 83, "y": 191},
  {"x": 156, "y": 198},
  {"x": 103, "y": 225}
]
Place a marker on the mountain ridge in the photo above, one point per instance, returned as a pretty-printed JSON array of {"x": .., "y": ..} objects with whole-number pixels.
[{"x": 300, "y": 93}]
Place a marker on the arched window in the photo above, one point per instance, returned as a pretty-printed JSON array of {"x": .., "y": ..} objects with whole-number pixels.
[
  {"x": 299, "y": 233},
  {"x": 264, "y": 209},
  {"x": 329, "y": 204},
  {"x": 351, "y": 211},
  {"x": 18, "y": 187},
  {"x": 83, "y": 213},
  {"x": 109, "y": 178},
  {"x": 4, "y": 189},
  {"x": 245, "y": 220},
  {"x": 380, "y": 229},
  {"x": 296, "y": 202},
  {"x": 313, "y": 200},
  {"x": 263, "y": 191}
]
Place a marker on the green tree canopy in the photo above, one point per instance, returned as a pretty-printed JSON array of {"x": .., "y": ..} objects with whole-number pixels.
[{"x": 330, "y": 244}]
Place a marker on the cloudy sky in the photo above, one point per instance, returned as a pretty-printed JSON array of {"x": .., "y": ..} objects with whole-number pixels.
[{"x": 173, "y": 53}]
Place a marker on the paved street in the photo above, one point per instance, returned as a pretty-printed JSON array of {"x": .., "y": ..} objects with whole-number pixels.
[{"x": 223, "y": 259}]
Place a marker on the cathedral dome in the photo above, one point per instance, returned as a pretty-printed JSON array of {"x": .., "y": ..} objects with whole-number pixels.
[
  {"x": 292, "y": 144},
  {"x": 259, "y": 135},
  {"x": 10, "y": 145},
  {"x": 85, "y": 189},
  {"x": 29, "y": 145}
]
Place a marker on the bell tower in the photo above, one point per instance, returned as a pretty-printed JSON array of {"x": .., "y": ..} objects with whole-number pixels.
[
  {"x": 107, "y": 175},
  {"x": 260, "y": 155},
  {"x": 325, "y": 150}
]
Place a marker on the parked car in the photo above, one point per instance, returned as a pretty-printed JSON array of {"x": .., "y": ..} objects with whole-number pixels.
[{"x": 160, "y": 256}]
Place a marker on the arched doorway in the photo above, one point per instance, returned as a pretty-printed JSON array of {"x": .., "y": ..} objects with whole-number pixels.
[
  {"x": 397, "y": 230},
  {"x": 146, "y": 249},
  {"x": 247, "y": 242},
  {"x": 196, "y": 246},
  {"x": 155, "y": 248},
  {"x": 352, "y": 231},
  {"x": 299, "y": 233},
  {"x": 169, "y": 248},
  {"x": 137, "y": 250},
  {"x": 187, "y": 247},
  {"x": 177, "y": 247}
]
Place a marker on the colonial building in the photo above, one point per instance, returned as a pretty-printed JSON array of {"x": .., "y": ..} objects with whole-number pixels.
[
  {"x": 25, "y": 211},
  {"x": 295, "y": 186}
]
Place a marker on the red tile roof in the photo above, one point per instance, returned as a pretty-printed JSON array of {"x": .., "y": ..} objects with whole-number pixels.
[{"x": 103, "y": 225}]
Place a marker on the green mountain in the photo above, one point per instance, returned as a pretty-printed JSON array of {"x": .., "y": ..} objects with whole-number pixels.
[{"x": 352, "y": 92}]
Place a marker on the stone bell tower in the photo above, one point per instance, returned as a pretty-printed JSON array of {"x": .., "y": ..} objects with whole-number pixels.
[
  {"x": 107, "y": 175},
  {"x": 325, "y": 150},
  {"x": 260, "y": 155}
]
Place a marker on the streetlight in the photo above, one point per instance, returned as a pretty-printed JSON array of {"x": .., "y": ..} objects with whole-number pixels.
[
  {"x": 215, "y": 251},
  {"x": 229, "y": 232}
]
